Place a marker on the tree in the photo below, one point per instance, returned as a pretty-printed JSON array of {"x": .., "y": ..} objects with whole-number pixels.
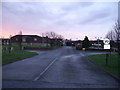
[
  {"x": 117, "y": 35},
  {"x": 55, "y": 39},
  {"x": 117, "y": 30},
  {"x": 111, "y": 35},
  {"x": 114, "y": 35},
  {"x": 86, "y": 43},
  {"x": 51, "y": 35}
]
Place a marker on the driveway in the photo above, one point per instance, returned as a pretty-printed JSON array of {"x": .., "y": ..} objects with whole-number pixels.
[{"x": 61, "y": 68}]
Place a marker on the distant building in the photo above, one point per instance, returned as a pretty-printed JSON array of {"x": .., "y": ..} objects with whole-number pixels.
[
  {"x": 4, "y": 41},
  {"x": 72, "y": 43},
  {"x": 30, "y": 40},
  {"x": 97, "y": 43}
]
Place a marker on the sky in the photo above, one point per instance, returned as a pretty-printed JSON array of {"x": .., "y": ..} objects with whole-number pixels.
[{"x": 73, "y": 20}]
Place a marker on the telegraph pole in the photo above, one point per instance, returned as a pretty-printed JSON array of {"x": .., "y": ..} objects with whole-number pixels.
[
  {"x": 10, "y": 44},
  {"x": 98, "y": 38},
  {"x": 42, "y": 39}
]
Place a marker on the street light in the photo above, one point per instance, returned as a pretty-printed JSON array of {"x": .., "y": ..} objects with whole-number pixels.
[
  {"x": 20, "y": 40},
  {"x": 10, "y": 44},
  {"x": 98, "y": 38}
]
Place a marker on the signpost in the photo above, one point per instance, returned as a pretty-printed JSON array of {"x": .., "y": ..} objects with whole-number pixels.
[
  {"x": 107, "y": 47},
  {"x": 106, "y": 43}
]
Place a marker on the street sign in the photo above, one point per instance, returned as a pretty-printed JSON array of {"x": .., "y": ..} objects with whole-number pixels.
[
  {"x": 107, "y": 46},
  {"x": 106, "y": 41}
]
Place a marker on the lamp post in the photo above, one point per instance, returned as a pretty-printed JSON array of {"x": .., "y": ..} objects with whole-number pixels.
[
  {"x": 20, "y": 40},
  {"x": 42, "y": 39},
  {"x": 10, "y": 44},
  {"x": 98, "y": 38}
]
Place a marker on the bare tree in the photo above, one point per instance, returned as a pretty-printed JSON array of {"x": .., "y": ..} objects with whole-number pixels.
[
  {"x": 111, "y": 35},
  {"x": 114, "y": 35},
  {"x": 60, "y": 40},
  {"x": 117, "y": 30},
  {"x": 54, "y": 38},
  {"x": 117, "y": 36},
  {"x": 51, "y": 35},
  {"x": 60, "y": 37}
]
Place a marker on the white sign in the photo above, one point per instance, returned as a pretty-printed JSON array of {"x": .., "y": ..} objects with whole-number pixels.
[
  {"x": 107, "y": 46},
  {"x": 106, "y": 41}
]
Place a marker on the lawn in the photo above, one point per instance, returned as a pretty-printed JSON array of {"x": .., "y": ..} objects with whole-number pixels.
[
  {"x": 39, "y": 47},
  {"x": 15, "y": 55},
  {"x": 112, "y": 66},
  {"x": 30, "y": 47}
]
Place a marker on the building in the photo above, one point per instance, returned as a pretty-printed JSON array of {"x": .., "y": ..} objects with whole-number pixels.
[
  {"x": 4, "y": 41},
  {"x": 30, "y": 40},
  {"x": 96, "y": 43}
]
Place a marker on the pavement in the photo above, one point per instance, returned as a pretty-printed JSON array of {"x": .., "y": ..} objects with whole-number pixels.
[{"x": 61, "y": 68}]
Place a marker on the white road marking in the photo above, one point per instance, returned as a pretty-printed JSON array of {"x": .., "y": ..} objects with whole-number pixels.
[{"x": 45, "y": 70}]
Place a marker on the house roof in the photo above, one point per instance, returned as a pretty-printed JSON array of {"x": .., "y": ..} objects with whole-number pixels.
[
  {"x": 4, "y": 39},
  {"x": 27, "y": 36}
]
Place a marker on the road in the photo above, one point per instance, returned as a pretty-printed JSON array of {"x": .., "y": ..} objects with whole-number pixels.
[{"x": 61, "y": 68}]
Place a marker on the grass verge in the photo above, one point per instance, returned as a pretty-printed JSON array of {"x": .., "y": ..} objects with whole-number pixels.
[
  {"x": 15, "y": 56},
  {"x": 29, "y": 47},
  {"x": 40, "y": 47},
  {"x": 113, "y": 61}
]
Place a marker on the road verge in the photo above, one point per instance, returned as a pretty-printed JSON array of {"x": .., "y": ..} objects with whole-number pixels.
[{"x": 111, "y": 68}]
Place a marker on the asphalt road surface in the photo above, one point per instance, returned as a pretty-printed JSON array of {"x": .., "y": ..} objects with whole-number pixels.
[{"x": 61, "y": 68}]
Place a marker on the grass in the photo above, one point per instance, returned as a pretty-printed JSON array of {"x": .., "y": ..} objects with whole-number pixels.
[
  {"x": 15, "y": 56},
  {"x": 36, "y": 46},
  {"x": 18, "y": 55},
  {"x": 112, "y": 66},
  {"x": 16, "y": 47},
  {"x": 40, "y": 47},
  {"x": 6, "y": 47}
]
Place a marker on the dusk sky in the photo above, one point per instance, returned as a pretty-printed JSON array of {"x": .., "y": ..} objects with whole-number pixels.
[{"x": 73, "y": 20}]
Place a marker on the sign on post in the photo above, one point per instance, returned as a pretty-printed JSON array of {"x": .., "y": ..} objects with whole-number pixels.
[
  {"x": 106, "y": 46},
  {"x": 106, "y": 43}
]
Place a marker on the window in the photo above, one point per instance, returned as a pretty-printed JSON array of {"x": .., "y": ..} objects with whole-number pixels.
[
  {"x": 24, "y": 39},
  {"x": 35, "y": 39},
  {"x": 7, "y": 42},
  {"x": 16, "y": 39}
]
